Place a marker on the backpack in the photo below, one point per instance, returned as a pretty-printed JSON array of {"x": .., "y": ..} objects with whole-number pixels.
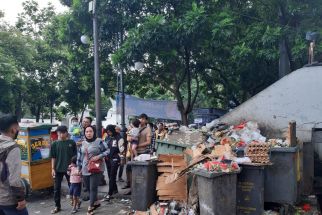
[{"x": 3, "y": 157}]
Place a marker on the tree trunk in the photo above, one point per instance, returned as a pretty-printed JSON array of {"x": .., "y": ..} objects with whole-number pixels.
[
  {"x": 184, "y": 118},
  {"x": 284, "y": 62},
  {"x": 81, "y": 118},
  {"x": 18, "y": 109},
  {"x": 181, "y": 107},
  {"x": 38, "y": 113},
  {"x": 51, "y": 112}
]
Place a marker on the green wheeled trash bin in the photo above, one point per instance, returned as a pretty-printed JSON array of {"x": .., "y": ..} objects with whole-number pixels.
[
  {"x": 144, "y": 179},
  {"x": 217, "y": 192}
]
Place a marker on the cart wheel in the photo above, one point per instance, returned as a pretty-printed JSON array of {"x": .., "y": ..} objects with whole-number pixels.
[{"x": 26, "y": 186}]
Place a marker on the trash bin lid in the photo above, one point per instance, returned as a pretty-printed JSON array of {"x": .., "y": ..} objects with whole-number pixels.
[
  {"x": 285, "y": 149},
  {"x": 204, "y": 173},
  {"x": 142, "y": 163}
]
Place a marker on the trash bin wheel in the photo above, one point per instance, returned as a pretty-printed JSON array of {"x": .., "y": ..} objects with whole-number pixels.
[{"x": 26, "y": 186}]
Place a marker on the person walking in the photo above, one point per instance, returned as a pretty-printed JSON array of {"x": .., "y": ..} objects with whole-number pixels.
[
  {"x": 61, "y": 153},
  {"x": 116, "y": 147},
  {"x": 87, "y": 121},
  {"x": 12, "y": 193},
  {"x": 90, "y": 163},
  {"x": 75, "y": 184},
  {"x": 121, "y": 168}
]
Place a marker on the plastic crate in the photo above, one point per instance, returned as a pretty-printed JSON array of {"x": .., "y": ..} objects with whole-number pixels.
[{"x": 163, "y": 147}]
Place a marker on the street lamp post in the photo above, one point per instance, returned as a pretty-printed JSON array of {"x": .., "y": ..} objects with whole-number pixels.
[
  {"x": 137, "y": 66},
  {"x": 122, "y": 104},
  {"x": 97, "y": 73}
]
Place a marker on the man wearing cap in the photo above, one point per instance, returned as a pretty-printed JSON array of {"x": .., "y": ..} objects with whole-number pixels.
[{"x": 61, "y": 154}]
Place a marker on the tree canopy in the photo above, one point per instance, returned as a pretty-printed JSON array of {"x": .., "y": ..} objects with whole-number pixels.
[{"x": 215, "y": 53}]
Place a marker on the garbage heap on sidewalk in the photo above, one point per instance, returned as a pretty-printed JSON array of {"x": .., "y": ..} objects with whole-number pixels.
[
  {"x": 215, "y": 148},
  {"x": 239, "y": 136}
]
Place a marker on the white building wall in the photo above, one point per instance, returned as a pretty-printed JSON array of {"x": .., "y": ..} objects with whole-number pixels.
[{"x": 297, "y": 96}]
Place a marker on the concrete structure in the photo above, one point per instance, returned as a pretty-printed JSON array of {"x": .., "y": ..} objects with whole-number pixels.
[
  {"x": 112, "y": 117},
  {"x": 297, "y": 96}
]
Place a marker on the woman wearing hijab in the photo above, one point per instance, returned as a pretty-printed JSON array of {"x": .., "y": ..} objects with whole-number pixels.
[
  {"x": 92, "y": 149},
  {"x": 115, "y": 145}
]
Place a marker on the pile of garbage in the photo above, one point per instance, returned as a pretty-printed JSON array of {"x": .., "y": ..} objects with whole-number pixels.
[
  {"x": 236, "y": 136},
  {"x": 184, "y": 136},
  {"x": 170, "y": 208},
  {"x": 222, "y": 143},
  {"x": 219, "y": 166},
  {"x": 278, "y": 143},
  {"x": 167, "y": 208},
  {"x": 214, "y": 133}
]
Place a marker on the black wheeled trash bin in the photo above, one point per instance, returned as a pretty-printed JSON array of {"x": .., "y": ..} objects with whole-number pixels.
[
  {"x": 281, "y": 179},
  {"x": 143, "y": 187},
  {"x": 250, "y": 190},
  {"x": 217, "y": 192}
]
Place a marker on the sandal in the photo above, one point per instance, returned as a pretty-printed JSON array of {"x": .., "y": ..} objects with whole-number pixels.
[
  {"x": 96, "y": 206},
  {"x": 55, "y": 210},
  {"x": 79, "y": 205},
  {"x": 90, "y": 211}
]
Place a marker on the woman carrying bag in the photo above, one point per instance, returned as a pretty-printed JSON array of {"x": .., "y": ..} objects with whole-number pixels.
[{"x": 90, "y": 162}]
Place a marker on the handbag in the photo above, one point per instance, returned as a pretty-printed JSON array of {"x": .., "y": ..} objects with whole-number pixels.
[{"x": 93, "y": 166}]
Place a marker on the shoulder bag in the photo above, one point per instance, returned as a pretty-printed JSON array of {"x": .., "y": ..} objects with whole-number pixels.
[{"x": 93, "y": 166}]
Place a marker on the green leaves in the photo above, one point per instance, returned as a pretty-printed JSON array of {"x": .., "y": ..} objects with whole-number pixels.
[{"x": 191, "y": 47}]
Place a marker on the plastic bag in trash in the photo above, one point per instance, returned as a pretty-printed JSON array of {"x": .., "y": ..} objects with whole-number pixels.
[
  {"x": 212, "y": 124},
  {"x": 242, "y": 160},
  {"x": 252, "y": 125},
  {"x": 143, "y": 157}
]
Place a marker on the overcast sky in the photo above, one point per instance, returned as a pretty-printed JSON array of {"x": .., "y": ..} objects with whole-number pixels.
[{"x": 11, "y": 8}]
